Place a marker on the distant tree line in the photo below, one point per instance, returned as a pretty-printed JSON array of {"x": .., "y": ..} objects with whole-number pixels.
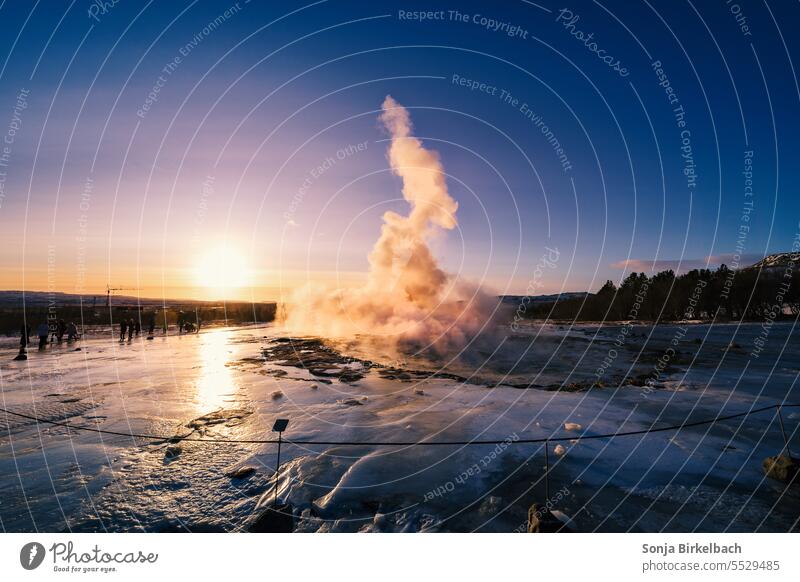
[
  {"x": 699, "y": 294},
  {"x": 88, "y": 318}
]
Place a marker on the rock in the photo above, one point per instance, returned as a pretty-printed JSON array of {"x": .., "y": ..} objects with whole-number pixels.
[
  {"x": 572, "y": 426},
  {"x": 178, "y": 437},
  {"x": 491, "y": 505},
  {"x": 349, "y": 376},
  {"x": 276, "y": 395},
  {"x": 314, "y": 387},
  {"x": 419, "y": 391},
  {"x": 350, "y": 402},
  {"x": 379, "y": 520},
  {"x": 229, "y": 417},
  {"x": 559, "y": 450},
  {"x": 241, "y": 472},
  {"x": 315, "y": 356},
  {"x": 781, "y": 467},
  {"x": 278, "y": 519},
  {"x": 172, "y": 451},
  {"x": 542, "y": 521}
]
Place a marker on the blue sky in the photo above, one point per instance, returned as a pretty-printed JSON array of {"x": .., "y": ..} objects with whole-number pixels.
[{"x": 262, "y": 96}]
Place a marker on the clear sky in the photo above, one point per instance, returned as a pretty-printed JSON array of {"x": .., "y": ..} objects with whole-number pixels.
[{"x": 203, "y": 149}]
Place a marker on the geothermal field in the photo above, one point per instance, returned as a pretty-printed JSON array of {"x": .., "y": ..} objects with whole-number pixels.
[{"x": 232, "y": 383}]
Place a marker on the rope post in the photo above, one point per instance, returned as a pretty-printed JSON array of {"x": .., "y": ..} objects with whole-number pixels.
[
  {"x": 279, "y": 426},
  {"x": 546, "y": 472},
  {"x": 277, "y": 471},
  {"x": 783, "y": 432}
]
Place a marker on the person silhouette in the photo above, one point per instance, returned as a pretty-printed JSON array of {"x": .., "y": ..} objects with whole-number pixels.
[
  {"x": 24, "y": 338},
  {"x": 151, "y": 325},
  {"x": 43, "y": 331},
  {"x": 72, "y": 332}
]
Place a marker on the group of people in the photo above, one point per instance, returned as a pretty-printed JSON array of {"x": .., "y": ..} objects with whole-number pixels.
[
  {"x": 44, "y": 331},
  {"x": 131, "y": 325},
  {"x": 59, "y": 329},
  {"x": 68, "y": 329},
  {"x": 134, "y": 326},
  {"x": 186, "y": 326}
]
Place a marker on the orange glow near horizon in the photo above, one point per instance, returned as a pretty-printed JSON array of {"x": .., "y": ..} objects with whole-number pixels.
[{"x": 222, "y": 273}]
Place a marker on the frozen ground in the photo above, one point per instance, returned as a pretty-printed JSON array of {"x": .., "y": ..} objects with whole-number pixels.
[{"x": 233, "y": 383}]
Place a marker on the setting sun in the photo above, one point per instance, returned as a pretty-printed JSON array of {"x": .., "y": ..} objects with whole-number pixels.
[{"x": 222, "y": 270}]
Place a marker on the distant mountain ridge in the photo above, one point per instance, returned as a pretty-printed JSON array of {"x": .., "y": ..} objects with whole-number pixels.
[
  {"x": 546, "y": 298},
  {"x": 774, "y": 261},
  {"x": 16, "y": 299}
]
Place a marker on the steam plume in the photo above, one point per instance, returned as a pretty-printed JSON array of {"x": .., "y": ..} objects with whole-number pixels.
[{"x": 407, "y": 295}]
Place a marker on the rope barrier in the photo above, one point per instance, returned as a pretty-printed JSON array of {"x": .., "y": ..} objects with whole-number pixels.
[{"x": 404, "y": 443}]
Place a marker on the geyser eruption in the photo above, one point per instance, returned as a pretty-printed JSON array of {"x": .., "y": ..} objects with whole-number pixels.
[{"x": 407, "y": 296}]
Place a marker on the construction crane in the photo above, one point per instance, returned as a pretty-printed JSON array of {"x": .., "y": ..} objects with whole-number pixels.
[{"x": 109, "y": 289}]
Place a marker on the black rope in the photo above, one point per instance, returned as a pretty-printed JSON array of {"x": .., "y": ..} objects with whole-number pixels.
[{"x": 404, "y": 443}]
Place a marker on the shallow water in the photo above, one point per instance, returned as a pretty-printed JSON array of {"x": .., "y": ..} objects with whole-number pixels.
[{"x": 219, "y": 384}]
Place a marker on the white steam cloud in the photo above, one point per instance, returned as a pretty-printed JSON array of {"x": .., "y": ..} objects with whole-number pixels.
[{"x": 407, "y": 295}]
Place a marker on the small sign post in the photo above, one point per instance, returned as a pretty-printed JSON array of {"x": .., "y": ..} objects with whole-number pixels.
[{"x": 279, "y": 426}]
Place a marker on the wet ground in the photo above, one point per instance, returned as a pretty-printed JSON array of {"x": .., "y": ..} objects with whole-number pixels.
[{"x": 542, "y": 381}]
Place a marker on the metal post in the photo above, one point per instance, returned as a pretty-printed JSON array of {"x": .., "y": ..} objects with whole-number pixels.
[
  {"x": 546, "y": 472},
  {"x": 783, "y": 432},
  {"x": 277, "y": 470}
]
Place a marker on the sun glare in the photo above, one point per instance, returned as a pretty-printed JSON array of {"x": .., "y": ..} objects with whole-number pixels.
[{"x": 222, "y": 270}]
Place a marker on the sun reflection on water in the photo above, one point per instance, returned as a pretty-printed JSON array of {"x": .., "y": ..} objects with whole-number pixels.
[{"x": 215, "y": 383}]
